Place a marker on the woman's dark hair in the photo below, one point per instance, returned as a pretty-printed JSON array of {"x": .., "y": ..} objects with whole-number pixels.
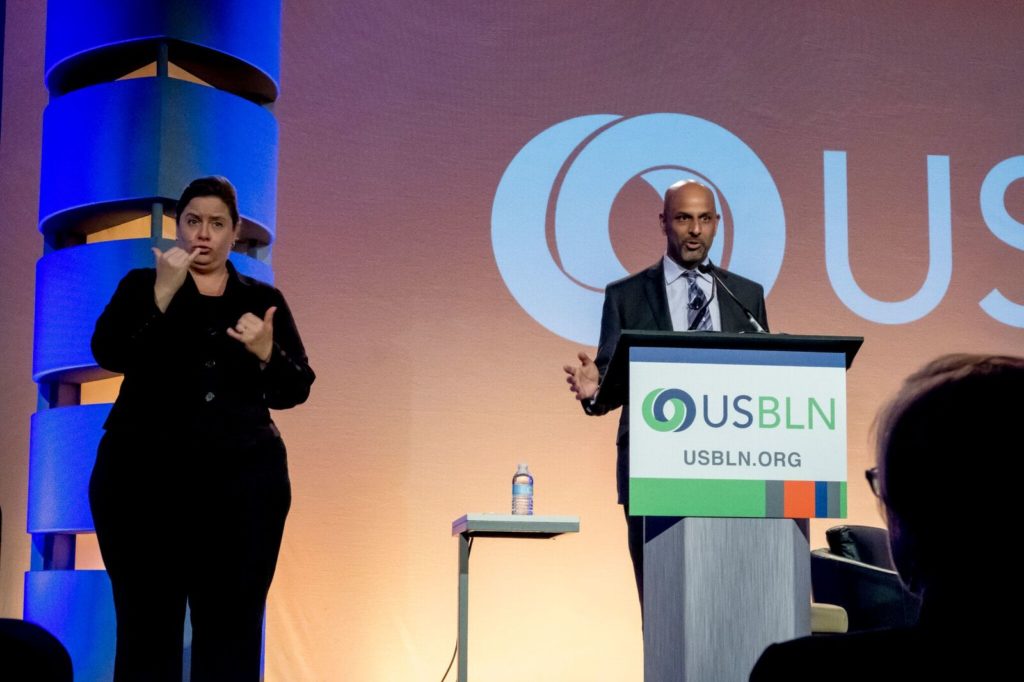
[
  {"x": 949, "y": 461},
  {"x": 211, "y": 186}
]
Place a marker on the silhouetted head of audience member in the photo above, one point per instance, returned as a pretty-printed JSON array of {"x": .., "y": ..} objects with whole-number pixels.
[{"x": 949, "y": 448}]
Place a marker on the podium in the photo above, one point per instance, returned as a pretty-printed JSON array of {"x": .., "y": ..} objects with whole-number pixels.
[{"x": 735, "y": 440}]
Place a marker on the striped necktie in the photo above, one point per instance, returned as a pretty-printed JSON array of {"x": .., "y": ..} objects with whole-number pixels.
[{"x": 697, "y": 302}]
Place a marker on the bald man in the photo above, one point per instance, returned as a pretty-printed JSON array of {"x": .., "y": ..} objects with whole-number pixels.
[{"x": 671, "y": 295}]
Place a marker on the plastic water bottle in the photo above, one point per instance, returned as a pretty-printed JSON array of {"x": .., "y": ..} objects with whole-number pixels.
[{"x": 522, "y": 491}]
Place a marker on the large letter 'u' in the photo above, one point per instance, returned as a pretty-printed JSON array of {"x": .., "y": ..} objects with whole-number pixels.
[{"x": 837, "y": 246}]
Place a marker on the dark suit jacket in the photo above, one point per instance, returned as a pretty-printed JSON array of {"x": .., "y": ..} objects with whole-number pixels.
[
  {"x": 957, "y": 645},
  {"x": 640, "y": 302}
]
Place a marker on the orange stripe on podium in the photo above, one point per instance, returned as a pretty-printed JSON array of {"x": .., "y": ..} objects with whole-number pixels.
[{"x": 798, "y": 499}]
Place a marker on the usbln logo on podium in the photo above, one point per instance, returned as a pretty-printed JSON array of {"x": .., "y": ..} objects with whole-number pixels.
[
  {"x": 718, "y": 432},
  {"x": 684, "y": 410},
  {"x": 740, "y": 411},
  {"x": 576, "y": 169}
]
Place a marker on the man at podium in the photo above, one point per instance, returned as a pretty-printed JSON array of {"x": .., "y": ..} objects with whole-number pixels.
[{"x": 683, "y": 291}]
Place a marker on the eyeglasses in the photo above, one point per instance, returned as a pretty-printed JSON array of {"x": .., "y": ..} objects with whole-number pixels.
[{"x": 874, "y": 481}]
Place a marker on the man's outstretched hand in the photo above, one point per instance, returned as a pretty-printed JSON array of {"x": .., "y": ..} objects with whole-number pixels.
[{"x": 583, "y": 379}]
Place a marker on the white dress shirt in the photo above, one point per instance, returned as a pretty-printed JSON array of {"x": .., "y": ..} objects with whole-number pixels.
[{"x": 678, "y": 289}]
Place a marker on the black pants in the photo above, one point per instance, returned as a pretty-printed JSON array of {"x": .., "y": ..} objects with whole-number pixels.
[{"x": 183, "y": 521}]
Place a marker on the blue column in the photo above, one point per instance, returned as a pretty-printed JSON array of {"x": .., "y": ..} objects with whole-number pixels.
[{"x": 116, "y": 149}]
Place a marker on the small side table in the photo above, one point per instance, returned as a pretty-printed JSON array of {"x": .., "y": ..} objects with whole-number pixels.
[{"x": 496, "y": 526}]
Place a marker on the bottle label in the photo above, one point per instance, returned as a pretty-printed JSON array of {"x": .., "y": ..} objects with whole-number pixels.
[{"x": 522, "y": 489}]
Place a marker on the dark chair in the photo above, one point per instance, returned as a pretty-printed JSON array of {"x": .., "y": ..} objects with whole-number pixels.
[
  {"x": 857, "y": 573},
  {"x": 29, "y": 652}
]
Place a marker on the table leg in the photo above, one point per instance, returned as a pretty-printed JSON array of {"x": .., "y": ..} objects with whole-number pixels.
[{"x": 463, "y": 607}]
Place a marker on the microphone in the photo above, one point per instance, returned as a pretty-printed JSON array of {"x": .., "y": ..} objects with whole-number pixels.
[{"x": 709, "y": 269}]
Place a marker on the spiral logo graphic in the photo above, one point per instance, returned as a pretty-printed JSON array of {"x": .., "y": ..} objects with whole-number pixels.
[
  {"x": 576, "y": 168},
  {"x": 684, "y": 411}
]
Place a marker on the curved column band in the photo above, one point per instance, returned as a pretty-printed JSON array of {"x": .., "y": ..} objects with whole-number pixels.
[
  {"x": 118, "y": 147},
  {"x": 63, "y": 451},
  {"x": 232, "y": 44},
  {"x": 77, "y": 607}
]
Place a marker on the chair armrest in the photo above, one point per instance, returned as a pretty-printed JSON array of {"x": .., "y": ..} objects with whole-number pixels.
[{"x": 828, "y": 618}]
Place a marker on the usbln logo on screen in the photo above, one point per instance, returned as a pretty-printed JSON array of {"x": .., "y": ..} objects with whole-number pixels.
[
  {"x": 572, "y": 172},
  {"x": 594, "y": 157}
]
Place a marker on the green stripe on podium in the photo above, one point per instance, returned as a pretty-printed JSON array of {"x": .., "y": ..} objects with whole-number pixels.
[{"x": 696, "y": 497}]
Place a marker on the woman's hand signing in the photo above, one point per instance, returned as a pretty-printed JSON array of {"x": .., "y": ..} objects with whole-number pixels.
[
  {"x": 171, "y": 268},
  {"x": 257, "y": 334}
]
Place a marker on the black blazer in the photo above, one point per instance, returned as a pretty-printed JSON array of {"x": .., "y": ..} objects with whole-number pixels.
[
  {"x": 640, "y": 302},
  {"x": 183, "y": 363},
  {"x": 948, "y": 643}
]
